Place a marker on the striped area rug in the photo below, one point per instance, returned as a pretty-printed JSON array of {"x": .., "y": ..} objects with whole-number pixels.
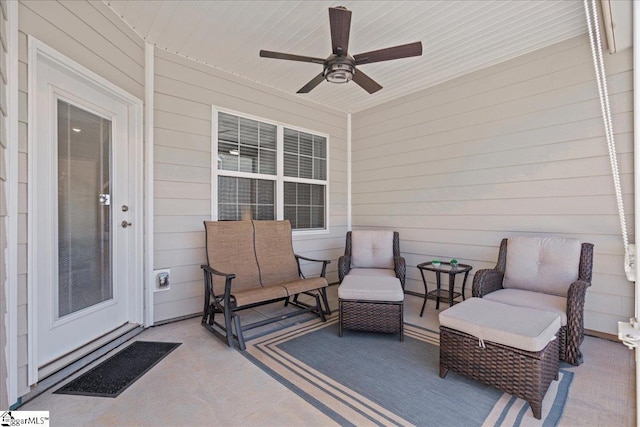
[{"x": 374, "y": 379}]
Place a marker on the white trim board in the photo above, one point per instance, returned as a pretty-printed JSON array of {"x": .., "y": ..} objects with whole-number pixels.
[
  {"x": 149, "y": 90},
  {"x": 349, "y": 215},
  {"x": 636, "y": 177},
  {"x": 12, "y": 170}
]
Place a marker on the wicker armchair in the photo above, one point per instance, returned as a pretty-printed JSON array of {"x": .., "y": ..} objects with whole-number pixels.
[
  {"x": 490, "y": 284},
  {"x": 345, "y": 261}
]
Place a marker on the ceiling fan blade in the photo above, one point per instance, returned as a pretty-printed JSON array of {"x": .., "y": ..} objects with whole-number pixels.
[
  {"x": 396, "y": 52},
  {"x": 366, "y": 82},
  {"x": 340, "y": 23},
  {"x": 313, "y": 83},
  {"x": 290, "y": 57}
]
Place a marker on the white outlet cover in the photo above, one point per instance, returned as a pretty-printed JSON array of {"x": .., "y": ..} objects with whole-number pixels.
[{"x": 156, "y": 282}]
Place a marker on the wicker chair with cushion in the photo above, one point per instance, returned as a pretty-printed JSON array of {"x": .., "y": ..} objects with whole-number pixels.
[
  {"x": 372, "y": 253},
  {"x": 372, "y": 274},
  {"x": 544, "y": 273}
]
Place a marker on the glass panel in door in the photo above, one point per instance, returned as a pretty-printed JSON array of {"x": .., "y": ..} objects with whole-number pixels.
[{"x": 84, "y": 209}]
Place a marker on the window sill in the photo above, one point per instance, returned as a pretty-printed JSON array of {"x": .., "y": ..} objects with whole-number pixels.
[{"x": 309, "y": 232}]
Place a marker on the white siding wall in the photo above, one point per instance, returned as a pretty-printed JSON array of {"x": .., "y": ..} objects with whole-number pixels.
[
  {"x": 514, "y": 149},
  {"x": 4, "y": 403},
  {"x": 184, "y": 93},
  {"x": 90, "y": 34}
]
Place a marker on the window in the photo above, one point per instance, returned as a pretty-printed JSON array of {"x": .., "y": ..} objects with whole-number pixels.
[
  {"x": 304, "y": 155},
  {"x": 269, "y": 171},
  {"x": 304, "y": 205},
  {"x": 240, "y": 197}
]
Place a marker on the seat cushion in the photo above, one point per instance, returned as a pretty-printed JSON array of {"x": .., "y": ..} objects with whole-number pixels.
[
  {"x": 527, "y": 329},
  {"x": 537, "y": 300},
  {"x": 372, "y": 249},
  {"x": 304, "y": 285},
  {"x": 371, "y": 288},
  {"x": 259, "y": 295},
  {"x": 375, "y": 272},
  {"x": 542, "y": 264}
]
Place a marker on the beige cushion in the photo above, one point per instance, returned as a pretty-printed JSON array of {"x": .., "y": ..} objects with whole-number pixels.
[
  {"x": 372, "y": 248},
  {"x": 274, "y": 252},
  {"x": 371, "y": 288},
  {"x": 378, "y": 272},
  {"x": 542, "y": 264},
  {"x": 230, "y": 250},
  {"x": 523, "y": 328},
  {"x": 537, "y": 300}
]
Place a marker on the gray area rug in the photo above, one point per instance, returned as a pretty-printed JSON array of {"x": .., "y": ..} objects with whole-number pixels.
[{"x": 374, "y": 379}]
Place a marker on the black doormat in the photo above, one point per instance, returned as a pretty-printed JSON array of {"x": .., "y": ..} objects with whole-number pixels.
[{"x": 116, "y": 374}]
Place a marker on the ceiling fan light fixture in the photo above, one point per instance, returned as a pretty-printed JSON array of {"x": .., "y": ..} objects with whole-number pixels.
[
  {"x": 340, "y": 67},
  {"x": 339, "y": 73}
]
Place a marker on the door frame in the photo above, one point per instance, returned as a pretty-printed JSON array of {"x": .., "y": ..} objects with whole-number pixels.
[{"x": 37, "y": 245}]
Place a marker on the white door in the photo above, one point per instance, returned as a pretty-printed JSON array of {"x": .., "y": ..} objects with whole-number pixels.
[{"x": 85, "y": 235}]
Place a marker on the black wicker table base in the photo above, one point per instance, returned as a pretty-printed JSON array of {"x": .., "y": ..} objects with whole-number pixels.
[
  {"x": 524, "y": 374},
  {"x": 372, "y": 316}
]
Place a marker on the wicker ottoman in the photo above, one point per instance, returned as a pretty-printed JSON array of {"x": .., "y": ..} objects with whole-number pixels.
[
  {"x": 513, "y": 349},
  {"x": 371, "y": 303}
]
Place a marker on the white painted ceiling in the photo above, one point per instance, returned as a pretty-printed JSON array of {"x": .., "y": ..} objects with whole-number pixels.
[{"x": 458, "y": 37}]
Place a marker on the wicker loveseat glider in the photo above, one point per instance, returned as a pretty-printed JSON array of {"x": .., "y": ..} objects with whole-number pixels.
[
  {"x": 251, "y": 263},
  {"x": 544, "y": 273}
]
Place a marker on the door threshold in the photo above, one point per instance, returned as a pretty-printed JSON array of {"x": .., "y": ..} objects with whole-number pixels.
[
  {"x": 67, "y": 365},
  {"x": 69, "y": 358}
]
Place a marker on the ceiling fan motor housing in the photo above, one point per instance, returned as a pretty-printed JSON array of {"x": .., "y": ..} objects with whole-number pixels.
[{"x": 339, "y": 69}]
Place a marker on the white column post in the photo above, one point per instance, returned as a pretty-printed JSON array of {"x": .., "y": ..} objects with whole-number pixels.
[
  {"x": 149, "y": 88},
  {"x": 349, "y": 172},
  {"x": 12, "y": 170}
]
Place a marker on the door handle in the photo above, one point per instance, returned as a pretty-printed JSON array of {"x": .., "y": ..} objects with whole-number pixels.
[
  {"x": 104, "y": 199},
  {"x": 125, "y": 224}
]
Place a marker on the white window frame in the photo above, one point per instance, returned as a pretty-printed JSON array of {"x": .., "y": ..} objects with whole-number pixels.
[{"x": 279, "y": 177}]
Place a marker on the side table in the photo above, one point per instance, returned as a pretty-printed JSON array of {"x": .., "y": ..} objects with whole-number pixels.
[{"x": 438, "y": 294}]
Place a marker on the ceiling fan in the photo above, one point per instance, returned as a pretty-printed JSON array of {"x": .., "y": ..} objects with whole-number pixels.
[{"x": 340, "y": 67}]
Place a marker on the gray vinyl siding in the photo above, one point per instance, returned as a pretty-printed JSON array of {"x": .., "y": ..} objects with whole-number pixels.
[
  {"x": 4, "y": 403},
  {"x": 184, "y": 93},
  {"x": 514, "y": 149},
  {"x": 90, "y": 34}
]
